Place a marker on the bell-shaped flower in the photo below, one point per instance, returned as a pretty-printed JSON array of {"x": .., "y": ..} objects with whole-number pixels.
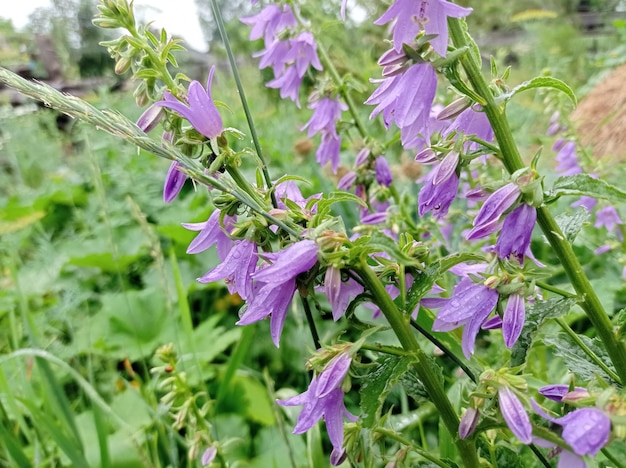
[
  {"x": 382, "y": 171},
  {"x": 328, "y": 151},
  {"x": 515, "y": 415},
  {"x": 608, "y": 217},
  {"x": 559, "y": 392},
  {"x": 326, "y": 112},
  {"x": 437, "y": 197},
  {"x": 431, "y": 16},
  {"x": 174, "y": 182},
  {"x": 324, "y": 400},
  {"x": 488, "y": 218},
  {"x": 513, "y": 319},
  {"x": 200, "y": 111},
  {"x": 339, "y": 292},
  {"x": 472, "y": 122},
  {"x": 276, "y": 285},
  {"x": 211, "y": 233},
  {"x": 517, "y": 229},
  {"x": 270, "y": 22}
]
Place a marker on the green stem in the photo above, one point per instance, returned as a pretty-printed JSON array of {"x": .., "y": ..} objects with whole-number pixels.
[
  {"x": 512, "y": 160},
  {"x": 593, "y": 356},
  {"x": 398, "y": 438},
  {"x": 554, "y": 289},
  {"x": 242, "y": 96},
  {"x": 384, "y": 349},
  {"x": 311, "y": 322},
  {"x": 400, "y": 325},
  {"x": 242, "y": 183}
]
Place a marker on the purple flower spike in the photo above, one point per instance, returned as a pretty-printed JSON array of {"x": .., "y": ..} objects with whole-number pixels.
[
  {"x": 236, "y": 269},
  {"x": 437, "y": 198},
  {"x": 516, "y": 232},
  {"x": 324, "y": 400},
  {"x": 174, "y": 182},
  {"x": 429, "y": 15},
  {"x": 201, "y": 111},
  {"x": 515, "y": 415},
  {"x": 277, "y": 284},
  {"x": 586, "y": 430},
  {"x": 383, "y": 172},
  {"x": 559, "y": 391},
  {"x": 513, "y": 320},
  {"x": 491, "y": 211}
]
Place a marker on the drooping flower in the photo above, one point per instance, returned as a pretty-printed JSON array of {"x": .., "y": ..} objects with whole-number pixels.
[
  {"x": 406, "y": 100},
  {"x": 429, "y": 15},
  {"x": 328, "y": 151},
  {"x": 586, "y": 430},
  {"x": 566, "y": 158},
  {"x": 276, "y": 285},
  {"x": 212, "y": 233},
  {"x": 513, "y": 319},
  {"x": 382, "y": 171},
  {"x": 236, "y": 269},
  {"x": 608, "y": 218},
  {"x": 472, "y": 122},
  {"x": 517, "y": 229},
  {"x": 174, "y": 182},
  {"x": 469, "y": 306},
  {"x": 150, "y": 118},
  {"x": 324, "y": 400},
  {"x": 515, "y": 415},
  {"x": 558, "y": 392},
  {"x": 327, "y": 111},
  {"x": 339, "y": 292},
  {"x": 200, "y": 111},
  {"x": 488, "y": 219},
  {"x": 270, "y": 22},
  {"x": 437, "y": 198},
  {"x": 468, "y": 422}
]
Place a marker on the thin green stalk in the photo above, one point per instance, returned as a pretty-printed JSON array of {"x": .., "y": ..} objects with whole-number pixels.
[
  {"x": 513, "y": 161},
  {"x": 242, "y": 96},
  {"x": 310, "y": 321},
  {"x": 616, "y": 462},
  {"x": 385, "y": 349},
  {"x": 398, "y": 438},
  {"x": 400, "y": 325},
  {"x": 593, "y": 356},
  {"x": 554, "y": 289}
]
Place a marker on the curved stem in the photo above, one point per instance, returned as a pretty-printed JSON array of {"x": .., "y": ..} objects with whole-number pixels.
[
  {"x": 400, "y": 325},
  {"x": 512, "y": 160}
]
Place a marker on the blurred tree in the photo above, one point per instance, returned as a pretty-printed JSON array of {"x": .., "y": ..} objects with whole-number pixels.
[{"x": 94, "y": 59}]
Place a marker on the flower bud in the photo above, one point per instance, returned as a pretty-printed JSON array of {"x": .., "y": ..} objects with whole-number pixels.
[
  {"x": 468, "y": 423},
  {"x": 453, "y": 109}
]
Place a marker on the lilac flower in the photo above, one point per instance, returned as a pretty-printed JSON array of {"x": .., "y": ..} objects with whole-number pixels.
[
  {"x": 347, "y": 181},
  {"x": 446, "y": 169},
  {"x": 566, "y": 158},
  {"x": 275, "y": 56},
  {"x": 174, "y": 182},
  {"x": 201, "y": 111},
  {"x": 488, "y": 218},
  {"x": 588, "y": 203},
  {"x": 382, "y": 171},
  {"x": 468, "y": 422},
  {"x": 608, "y": 218},
  {"x": 437, "y": 198},
  {"x": 515, "y": 415},
  {"x": 212, "y": 233},
  {"x": 559, "y": 391},
  {"x": 338, "y": 292},
  {"x": 407, "y": 100},
  {"x": 514, "y": 239},
  {"x": 270, "y": 22},
  {"x": 236, "y": 269},
  {"x": 328, "y": 151},
  {"x": 469, "y": 306},
  {"x": 429, "y": 15},
  {"x": 513, "y": 319},
  {"x": 276, "y": 285},
  {"x": 327, "y": 112},
  {"x": 150, "y": 118},
  {"x": 324, "y": 400},
  {"x": 472, "y": 122},
  {"x": 586, "y": 430}
]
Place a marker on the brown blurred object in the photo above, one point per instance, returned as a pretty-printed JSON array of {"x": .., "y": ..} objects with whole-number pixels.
[{"x": 600, "y": 118}]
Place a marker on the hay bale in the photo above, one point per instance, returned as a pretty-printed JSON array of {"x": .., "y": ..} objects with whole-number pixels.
[{"x": 601, "y": 117}]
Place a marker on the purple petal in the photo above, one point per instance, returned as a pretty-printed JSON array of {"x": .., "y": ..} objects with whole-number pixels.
[{"x": 515, "y": 415}]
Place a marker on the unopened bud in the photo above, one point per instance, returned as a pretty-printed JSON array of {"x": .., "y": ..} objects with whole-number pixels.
[
  {"x": 468, "y": 423},
  {"x": 122, "y": 65},
  {"x": 453, "y": 109}
]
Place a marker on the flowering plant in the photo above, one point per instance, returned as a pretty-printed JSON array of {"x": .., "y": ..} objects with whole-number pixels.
[{"x": 455, "y": 254}]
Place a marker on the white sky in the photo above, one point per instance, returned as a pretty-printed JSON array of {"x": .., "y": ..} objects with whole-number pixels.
[{"x": 178, "y": 17}]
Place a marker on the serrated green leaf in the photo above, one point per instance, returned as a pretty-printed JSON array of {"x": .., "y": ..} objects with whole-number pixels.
[
  {"x": 536, "y": 315},
  {"x": 380, "y": 242},
  {"x": 572, "y": 223},
  {"x": 422, "y": 284},
  {"x": 543, "y": 82},
  {"x": 575, "y": 358},
  {"x": 378, "y": 383},
  {"x": 585, "y": 185},
  {"x": 413, "y": 385}
]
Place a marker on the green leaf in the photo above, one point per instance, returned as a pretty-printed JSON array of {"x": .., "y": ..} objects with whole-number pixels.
[
  {"x": 378, "y": 383},
  {"x": 413, "y": 385},
  {"x": 572, "y": 223},
  {"x": 585, "y": 185},
  {"x": 536, "y": 315},
  {"x": 542, "y": 82},
  {"x": 576, "y": 359},
  {"x": 451, "y": 260},
  {"x": 422, "y": 284},
  {"x": 253, "y": 400},
  {"x": 380, "y": 242}
]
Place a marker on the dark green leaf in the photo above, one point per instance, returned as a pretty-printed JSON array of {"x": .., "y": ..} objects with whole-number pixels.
[
  {"x": 422, "y": 284},
  {"x": 413, "y": 385},
  {"x": 536, "y": 315},
  {"x": 378, "y": 383},
  {"x": 585, "y": 185},
  {"x": 572, "y": 223}
]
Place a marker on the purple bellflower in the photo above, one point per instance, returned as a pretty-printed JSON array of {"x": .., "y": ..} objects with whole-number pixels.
[
  {"x": 406, "y": 100},
  {"x": 437, "y": 198},
  {"x": 276, "y": 285},
  {"x": 270, "y": 22},
  {"x": 236, "y": 269},
  {"x": 174, "y": 182},
  {"x": 338, "y": 292},
  {"x": 586, "y": 430},
  {"x": 324, "y": 400},
  {"x": 517, "y": 229},
  {"x": 382, "y": 171},
  {"x": 608, "y": 218},
  {"x": 428, "y": 15},
  {"x": 468, "y": 422},
  {"x": 559, "y": 392},
  {"x": 472, "y": 122},
  {"x": 201, "y": 111},
  {"x": 513, "y": 320},
  {"x": 515, "y": 415},
  {"x": 488, "y": 219},
  {"x": 469, "y": 306},
  {"x": 566, "y": 158},
  {"x": 326, "y": 112},
  {"x": 212, "y": 233},
  {"x": 150, "y": 118}
]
